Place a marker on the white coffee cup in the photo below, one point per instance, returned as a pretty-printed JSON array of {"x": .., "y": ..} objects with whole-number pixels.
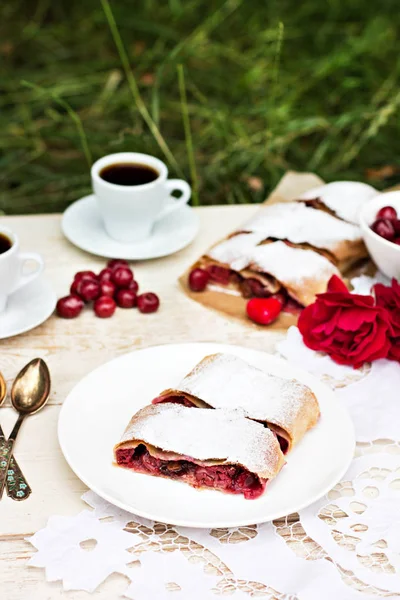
[
  {"x": 129, "y": 212},
  {"x": 12, "y": 262}
]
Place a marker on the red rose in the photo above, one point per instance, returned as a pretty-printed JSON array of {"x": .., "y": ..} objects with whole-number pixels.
[
  {"x": 348, "y": 327},
  {"x": 389, "y": 298}
]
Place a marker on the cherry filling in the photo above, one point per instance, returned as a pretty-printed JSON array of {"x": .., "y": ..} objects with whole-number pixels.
[
  {"x": 253, "y": 288},
  {"x": 219, "y": 274},
  {"x": 227, "y": 478},
  {"x": 173, "y": 400},
  {"x": 292, "y": 306},
  {"x": 284, "y": 444},
  {"x": 250, "y": 287}
]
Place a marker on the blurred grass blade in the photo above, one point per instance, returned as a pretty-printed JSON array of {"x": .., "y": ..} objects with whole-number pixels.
[
  {"x": 74, "y": 116},
  {"x": 274, "y": 88},
  {"x": 134, "y": 87},
  {"x": 211, "y": 22},
  {"x": 188, "y": 137},
  {"x": 379, "y": 120},
  {"x": 278, "y": 52}
]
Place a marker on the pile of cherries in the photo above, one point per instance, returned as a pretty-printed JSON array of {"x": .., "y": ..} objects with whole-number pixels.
[
  {"x": 262, "y": 310},
  {"x": 113, "y": 286},
  {"x": 387, "y": 224}
]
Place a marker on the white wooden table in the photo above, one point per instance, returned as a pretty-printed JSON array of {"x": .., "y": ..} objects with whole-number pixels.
[{"x": 74, "y": 348}]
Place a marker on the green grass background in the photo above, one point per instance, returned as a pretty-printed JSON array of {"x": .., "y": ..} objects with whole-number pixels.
[{"x": 231, "y": 93}]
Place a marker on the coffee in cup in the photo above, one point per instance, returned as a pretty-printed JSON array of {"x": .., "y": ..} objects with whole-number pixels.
[
  {"x": 129, "y": 174},
  {"x": 5, "y": 243}
]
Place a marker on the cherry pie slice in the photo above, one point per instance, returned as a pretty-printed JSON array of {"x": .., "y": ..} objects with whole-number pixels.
[
  {"x": 297, "y": 273},
  {"x": 224, "y": 381},
  {"x": 215, "y": 449}
]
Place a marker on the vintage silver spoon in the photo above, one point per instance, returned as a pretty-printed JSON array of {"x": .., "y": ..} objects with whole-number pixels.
[
  {"x": 29, "y": 393},
  {"x": 17, "y": 486}
]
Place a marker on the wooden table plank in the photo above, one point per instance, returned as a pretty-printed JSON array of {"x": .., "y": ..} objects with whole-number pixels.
[{"x": 74, "y": 348}]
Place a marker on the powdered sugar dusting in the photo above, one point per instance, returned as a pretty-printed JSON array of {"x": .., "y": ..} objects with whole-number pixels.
[
  {"x": 227, "y": 381},
  {"x": 299, "y": 223},
  {"x": 234, "y": 249},
  {"x": 204, "y": 434},
  {"x": 344, "y": 198},
  {"x": 292, "y": 266}
]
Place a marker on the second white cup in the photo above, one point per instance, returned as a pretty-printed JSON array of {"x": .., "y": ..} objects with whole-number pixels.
[
  {"x": 130, "y": 210},
  {"x": 12, "y": 261}
]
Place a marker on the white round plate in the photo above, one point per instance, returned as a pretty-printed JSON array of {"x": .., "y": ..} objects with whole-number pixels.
[
  {"x": 27, "y": 308},
  {"x": 82, "y": 225},
  {"x": 96, "y": 412}
]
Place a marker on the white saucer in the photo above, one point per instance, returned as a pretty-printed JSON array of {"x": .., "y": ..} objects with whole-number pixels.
[
  {"x": 107, "y": 398},
  {"x": 27, "y": 308},
  {"x": 83, "y": 226}
]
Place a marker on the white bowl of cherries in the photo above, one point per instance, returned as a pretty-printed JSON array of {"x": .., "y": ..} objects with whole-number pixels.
[{"x": 380, "y": 225}]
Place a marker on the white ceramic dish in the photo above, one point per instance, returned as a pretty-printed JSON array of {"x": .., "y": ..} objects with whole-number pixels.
[
  {"x": 96, "y": 412},
  {"x": 385, "y": 254},
  {"x": 83, "y": 226},
  {"x": 27, "y": 308}
]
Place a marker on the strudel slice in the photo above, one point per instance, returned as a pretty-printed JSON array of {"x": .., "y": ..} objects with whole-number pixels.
[
  {"x": 216, "y": 449},
  {"x": 253, "y": 267},
  {"x": 308, "y": 227},
  {"x": 341, "y": 198},
  {"x": 223, "y": 381}
]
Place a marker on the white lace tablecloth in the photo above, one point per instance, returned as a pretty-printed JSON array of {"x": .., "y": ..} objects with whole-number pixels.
[{"x": 346, "y": 546}]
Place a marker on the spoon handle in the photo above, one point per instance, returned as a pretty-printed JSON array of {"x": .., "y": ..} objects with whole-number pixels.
[
  {"x": 17, "y": 486},
  {"x": 6, "y": 448}
]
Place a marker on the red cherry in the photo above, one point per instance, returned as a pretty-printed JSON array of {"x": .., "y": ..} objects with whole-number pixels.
[
  {"x": 263, "y": 310},
  {"x": 148, "y": 303},
  {"x": 105, "y": 275},
  {"x": 107, "y": 288},
  {"x": 387, "y": 212},
  {"x": 104, "y": 307},
  {"x": 85, "y": 276},
  {"x": 79, "y": 278},
  {"x": 69, "y": 307},
  {"x": 122, "y": 277},
  {"x": 88, "y": 290},
  {"x": 384, "y": 228},
  {"x": 397, "y": 241},
  {"x": 74, "y": 288},
  {"x": 126, "y": 298},
  {"x": 117, "y": 262},
  {"x": 198, "y": 279},
  {"x": 396, "y": 225},
  {"x": 133, "y": 286},
  {"x": 219, "y": 274}
]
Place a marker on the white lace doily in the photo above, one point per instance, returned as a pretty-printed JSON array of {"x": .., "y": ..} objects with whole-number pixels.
[{"x": 346, "y": 546}]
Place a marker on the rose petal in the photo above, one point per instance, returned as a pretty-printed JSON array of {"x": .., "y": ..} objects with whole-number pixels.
[
  {"x": 335, "y": 299},
  {"x": 352, "y": 318},
  {"x": 335, "y": 284}
]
